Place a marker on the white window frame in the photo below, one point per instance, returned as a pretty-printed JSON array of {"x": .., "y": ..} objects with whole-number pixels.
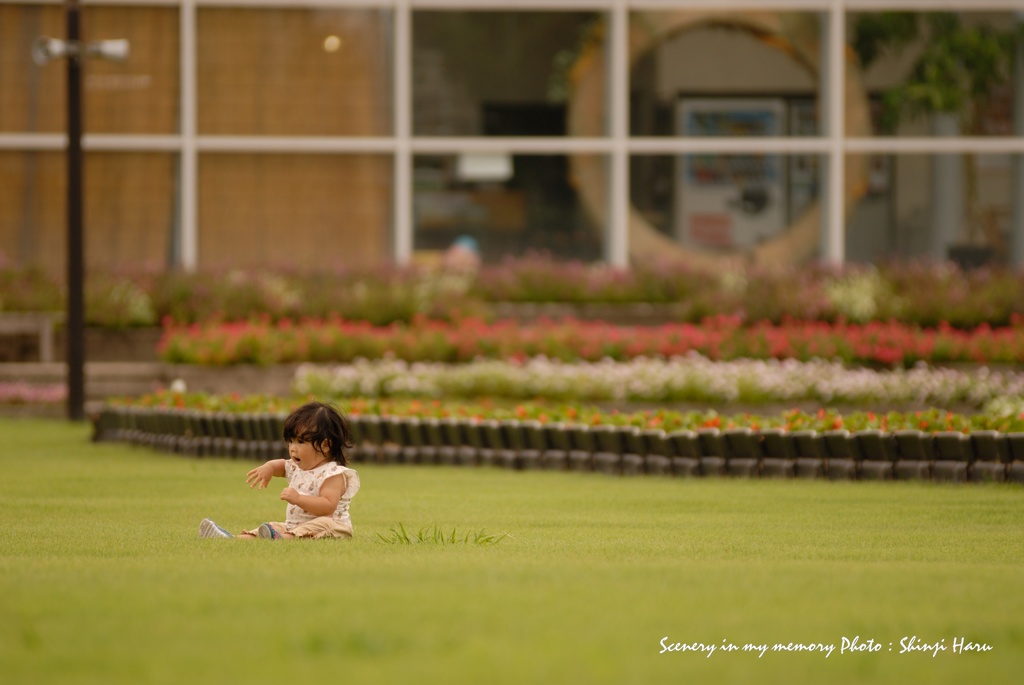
[{"x": 617, "y": 144}]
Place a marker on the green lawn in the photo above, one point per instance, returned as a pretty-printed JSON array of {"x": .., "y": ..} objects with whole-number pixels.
[{"x": 103, "y": 580}]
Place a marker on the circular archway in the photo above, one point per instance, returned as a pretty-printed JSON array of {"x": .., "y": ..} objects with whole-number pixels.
[{"x": 798, "y": 36}]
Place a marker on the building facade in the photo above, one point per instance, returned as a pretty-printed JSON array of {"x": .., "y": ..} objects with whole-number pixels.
[{"x": 320, "y": 134}]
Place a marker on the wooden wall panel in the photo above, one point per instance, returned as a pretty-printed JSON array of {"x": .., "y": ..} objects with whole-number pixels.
[
  {"x": 313, "y": 212},
  {"x": 293, "y": 72},
  {"x": 33, "y": 222},
  {"x": 139, "y": 95},
  {"x": 33, "y": 96},
  {"x": 129, "y": 209},
  {"x": 260, "y": 72}
]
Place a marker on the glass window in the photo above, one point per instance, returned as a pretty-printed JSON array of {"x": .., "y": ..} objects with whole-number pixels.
[
  {"x": 504, "y": 73},
  {"x": 315, "y": 72},
  {"x": 33, "y": 95},
  {"x": 508, "y": 205},
  {"x": 768, "y": 206},
  {"x": 315, "y": 212},
  {"x": 33, "y": 222},
  {"x": 138, "y": 95},
  {"x": 937, "y": 73},
  {"x": 129, "y": 208},
  {"x": 682, "y": 58},
  {"x": 726, "y": 205},
  {"x": 935, "y": 207}
]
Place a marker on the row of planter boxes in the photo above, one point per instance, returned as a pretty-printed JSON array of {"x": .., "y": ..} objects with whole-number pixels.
[{"x": 618, "y": 450}]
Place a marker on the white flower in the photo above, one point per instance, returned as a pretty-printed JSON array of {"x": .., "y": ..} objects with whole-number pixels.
[{"x": 681, "y": 379}]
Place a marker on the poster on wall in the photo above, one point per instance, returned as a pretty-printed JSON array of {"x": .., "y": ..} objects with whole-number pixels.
[{"x": 730, "y": 202}]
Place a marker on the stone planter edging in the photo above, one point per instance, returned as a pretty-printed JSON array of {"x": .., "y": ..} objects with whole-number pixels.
[{"x": 983, "y": 456}]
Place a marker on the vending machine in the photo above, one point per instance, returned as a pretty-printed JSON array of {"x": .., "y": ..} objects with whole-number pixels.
[{"x": 730, "y": 201}]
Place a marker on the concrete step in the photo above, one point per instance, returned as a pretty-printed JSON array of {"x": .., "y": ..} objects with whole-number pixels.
[{"x": 108, "y": 379}]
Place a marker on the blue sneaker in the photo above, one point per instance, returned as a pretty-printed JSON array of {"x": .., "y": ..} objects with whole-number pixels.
[
  {"x": 267, "y": 531},
  {"x": 209, "y": 529}
]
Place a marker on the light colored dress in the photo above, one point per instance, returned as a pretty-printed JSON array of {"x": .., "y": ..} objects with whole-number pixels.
[{"x": 308, "y": 483}]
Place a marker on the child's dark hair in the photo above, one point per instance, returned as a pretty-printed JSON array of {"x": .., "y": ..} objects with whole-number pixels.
[{"x": 315, "y": 422}]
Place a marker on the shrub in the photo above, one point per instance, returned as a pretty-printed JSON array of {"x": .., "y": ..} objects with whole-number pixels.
[
  {"x": 28, "y": 290},
  {"x": 924, "y": 294}
]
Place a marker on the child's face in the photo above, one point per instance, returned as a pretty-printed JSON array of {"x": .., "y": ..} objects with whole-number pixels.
[{"x": 304, "y": 456}]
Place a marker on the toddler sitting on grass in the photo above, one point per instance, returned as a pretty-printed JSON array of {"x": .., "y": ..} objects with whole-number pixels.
[{"x": 320, "y": 484}]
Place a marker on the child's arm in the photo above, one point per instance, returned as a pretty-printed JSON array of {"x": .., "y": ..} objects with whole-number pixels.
[
  {"x": 262, "y": 474},
  {"x": 324, "y": 505}
]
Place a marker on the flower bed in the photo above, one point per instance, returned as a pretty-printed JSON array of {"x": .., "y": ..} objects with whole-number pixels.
[
  {"x": 718, "y": 338},
  {"x": 21, "y": 393},
  {"x": 1002, "y": 417},
  {"x": 692, "y": 378},
  {"x": 923, "y": 294}
]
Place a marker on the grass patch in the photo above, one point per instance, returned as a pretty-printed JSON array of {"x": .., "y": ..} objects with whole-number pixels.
[
  {"x": 103, "y": 580},
  {"x": 436, "y": 535}
]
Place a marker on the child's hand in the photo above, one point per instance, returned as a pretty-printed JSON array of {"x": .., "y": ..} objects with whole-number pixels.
[
  {"x": 260, "y": 476},
  {"x": 289, "y": 495}
]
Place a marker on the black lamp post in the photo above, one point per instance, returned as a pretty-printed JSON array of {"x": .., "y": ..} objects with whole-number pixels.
[
  {"x": 44, "y": 50},
  {"x": 76, "y": 243}
]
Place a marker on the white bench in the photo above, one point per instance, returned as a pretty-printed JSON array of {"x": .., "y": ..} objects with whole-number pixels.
[{"x": 37, "y": 323}]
